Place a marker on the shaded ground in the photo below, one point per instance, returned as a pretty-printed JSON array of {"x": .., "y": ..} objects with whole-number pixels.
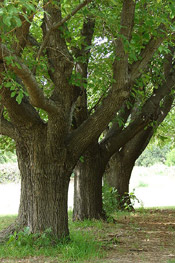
[
  {"x": 143, "y": 237},
  {"x": 147, "y": 236}
]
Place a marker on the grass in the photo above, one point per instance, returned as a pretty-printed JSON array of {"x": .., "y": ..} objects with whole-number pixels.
[
  {"x": 92, "y": 241},
  {"x": 142, "y": 184},
  {"x": 6, "y": 221},
  {"x": 83, "y": 245}
]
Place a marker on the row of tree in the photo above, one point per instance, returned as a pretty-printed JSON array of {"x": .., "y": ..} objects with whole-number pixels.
[{"x": 83, "y": 86}]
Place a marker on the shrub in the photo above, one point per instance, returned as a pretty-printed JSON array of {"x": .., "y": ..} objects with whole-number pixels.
[
  {"x": 112, "y": 202},
  {"x": 152, "y": 155},
  {"x": 110, "y": 196},
  {"x": 170, "y": 158},
  {"x": 9, "y": 173}
]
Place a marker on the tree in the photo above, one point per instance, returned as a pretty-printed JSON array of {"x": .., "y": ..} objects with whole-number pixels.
[
  {"x": 39, "y": 90},
  {"x": 126, "y": 140}
]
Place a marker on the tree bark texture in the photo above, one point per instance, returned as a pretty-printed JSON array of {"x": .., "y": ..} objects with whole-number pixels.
[
  {"x": 121, "y": 164},
  {"x": 88, "y": 186},
  {"x": 44, "y": 187},
  {"x": 47, "y": 146}
]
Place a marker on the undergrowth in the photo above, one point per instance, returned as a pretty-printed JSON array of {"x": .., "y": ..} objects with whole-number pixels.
[{"x": 81, "y": 247}]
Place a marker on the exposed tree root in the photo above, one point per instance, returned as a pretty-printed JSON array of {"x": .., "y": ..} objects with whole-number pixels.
[{"x": 5, "y": 233}]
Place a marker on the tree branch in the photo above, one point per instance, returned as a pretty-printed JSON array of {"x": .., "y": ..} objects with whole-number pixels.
[
  {"x": 147, "y": 53},
  {"x": 6, "y": 127},
  {"x": 97, "y": 122},
  {"x": 60, "y": 23},
  {"x": 151, "y": 111},
  {"x": 123, "y": 114},
  {"x": 120, "y": 66},
  {"x": 22, "y": 33},
  {"x": 36, "y": 95},
  {"x": 81, "y": 111}
]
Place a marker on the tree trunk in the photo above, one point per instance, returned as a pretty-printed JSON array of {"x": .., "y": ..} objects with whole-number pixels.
[
  {"x": 118, "y": 175},
  {"x": 25, "y": 174},
  {"x": 44, "y": 188},
  {"x": 88, "y": 186},
  {"x": 121, "y": 164}
]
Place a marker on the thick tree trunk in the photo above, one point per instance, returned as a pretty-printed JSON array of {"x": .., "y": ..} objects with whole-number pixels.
[
  {"x": 121, "y": 164},
  {"x": 118, "y": 175},
  {"x": 44, "y": 189},
  {"x": 25, "y": 174},
  {"x": 88, "y": 186}
]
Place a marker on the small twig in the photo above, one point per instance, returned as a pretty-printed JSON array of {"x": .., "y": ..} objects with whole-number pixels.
[{"x": 98, "y": 102}]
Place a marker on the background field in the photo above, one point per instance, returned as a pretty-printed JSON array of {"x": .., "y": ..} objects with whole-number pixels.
[{"x": 153, "y": 186}]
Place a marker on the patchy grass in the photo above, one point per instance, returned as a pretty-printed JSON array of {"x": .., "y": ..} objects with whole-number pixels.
[
  {"x": 146, "y": 235},
  {"x": 142, "y": 184},
  {"x": 6, "y": 221}
]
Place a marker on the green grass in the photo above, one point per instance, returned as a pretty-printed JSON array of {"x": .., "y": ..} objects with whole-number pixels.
[
  {"x": 142, "y": 184},
  {"x": 6, "y": 221},
  {"x": 160, "y": 207},
  {"x": 83, "y": 244}
]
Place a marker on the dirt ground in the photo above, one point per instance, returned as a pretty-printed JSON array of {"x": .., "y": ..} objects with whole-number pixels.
[
  {"x": 143, "y": 237},
  {"x": 139, "y": 237}
]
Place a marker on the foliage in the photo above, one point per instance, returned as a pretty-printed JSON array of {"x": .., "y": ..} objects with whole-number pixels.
[
  {"x": 7, "y": 149},
  {"x": 32, "y": 77},
  {"x": 110, "y": 199},
  {"x": 152, "y": 155},
  {"x": 166, "y": 131},
  {"x": 82, "y": 246},
  {"x": 7, "y": 157},
  {"x": 9, "y": 173},
  {"x": 128, "y": 201},
  {"x": 170, "y": 158},
  {"x": 27, "y": 239},
  {"x": 113, "y": 203}
]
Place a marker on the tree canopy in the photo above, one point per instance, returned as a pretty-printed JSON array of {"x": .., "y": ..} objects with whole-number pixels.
[{"x": 66, "y": 69}]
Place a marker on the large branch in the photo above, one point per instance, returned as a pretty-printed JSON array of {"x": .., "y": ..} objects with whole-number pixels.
[
  {"x": 123, "y": 115},
  {"x": 21, "y": 34},
  {"x": 120, "y": 66},
  {"x": 23, "y": 113},
  {"x": 36, "y": 95},
  {"x": 60, "y": 23},
  {"x": 81, "y": 111},
  {"x": 94, "y": 126},
  {"x": 6, "y": 127},
  {"x": 138, "y": 143},
  {"x": 151, "y": 111},
  {"x": 147, "y": 53},
  {"x": 97, "y": 122}
]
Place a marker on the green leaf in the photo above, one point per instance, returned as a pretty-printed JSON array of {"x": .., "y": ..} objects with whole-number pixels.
[
  {"x": 8, "y": 84},
  {"x": 19, "y": 97},
  {"x": 7, "y": 20},
  {"x": 13, "y": 94},
  {"x": 18, "y": 21}
]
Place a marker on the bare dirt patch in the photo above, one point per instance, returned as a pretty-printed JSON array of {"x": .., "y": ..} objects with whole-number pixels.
[{"x": 144, "y": 237}]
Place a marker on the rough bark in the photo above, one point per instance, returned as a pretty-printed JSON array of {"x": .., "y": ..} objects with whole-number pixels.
[
  {"x": 121, "y": 164},
  {"x": 51, "y": 148},
  {"x": 44, "y": 187},
  {"x": 128, "y": 145},
  {"x": 88, "y": 186}
]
